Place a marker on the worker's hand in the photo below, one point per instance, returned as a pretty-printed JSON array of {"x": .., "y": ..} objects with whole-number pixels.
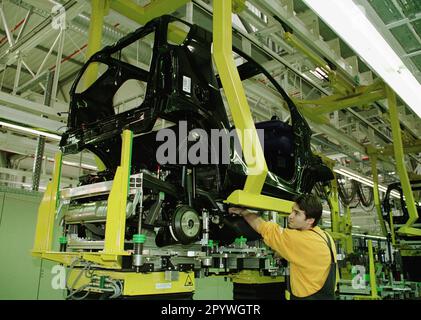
[{"x": 238, "y": 211}]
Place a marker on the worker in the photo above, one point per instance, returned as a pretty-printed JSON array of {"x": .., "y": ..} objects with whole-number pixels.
[{"x": 310, "y": 251}]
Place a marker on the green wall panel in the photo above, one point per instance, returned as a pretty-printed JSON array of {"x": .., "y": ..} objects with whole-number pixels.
[
  {"x": 46, "y": 291},
  {"x": 21, "y": 275},
  {"x": 213, "y": 288},
  {"x": 20, "y": 272}
]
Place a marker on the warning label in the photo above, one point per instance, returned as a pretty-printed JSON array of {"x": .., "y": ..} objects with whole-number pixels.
[{"x": 188, "y": 282}]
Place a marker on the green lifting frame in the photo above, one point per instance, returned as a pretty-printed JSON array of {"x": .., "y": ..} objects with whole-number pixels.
[
  {"x": 243, "y": 121},
  {"x": 142, "y": 15},
  {"x": 333, "y": 199},
  {"x": 360, "y": 96},
  {"x": 111, "y": 256},
  {"x": 110, "y": 259},
  {"x": 99, "y": 9},
  {"x": 372, "y": 272},
  {"x": 392, "y": 228},
  {"x": 407, "y": 229},
  {"x": 346, "y": 228},
  {"x": 47, "y": 210},
  {"x": 414, "y": 147},
  {"x": 341, "y": 226},
  {"x": 117, "y": 201},
  {"x": 349, "y": 95},
  {"x": 363, "y": 95},
  {"x": 337, "y": 82},
  {"x": 373, "y": 161}
]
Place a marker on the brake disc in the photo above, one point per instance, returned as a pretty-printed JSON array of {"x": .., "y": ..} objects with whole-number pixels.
[{"x": 185, "y": 224}]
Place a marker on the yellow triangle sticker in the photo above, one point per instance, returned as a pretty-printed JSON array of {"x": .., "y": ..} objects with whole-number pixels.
[{"x": 188, "y": 282}]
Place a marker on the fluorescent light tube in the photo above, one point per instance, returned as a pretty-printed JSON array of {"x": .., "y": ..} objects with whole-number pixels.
[
  {"x": 353, "y": 176},
  {"x": 350, "y": 23},
  {"x": 82, "y": 165},
  {"x": 29, "y": 130}
]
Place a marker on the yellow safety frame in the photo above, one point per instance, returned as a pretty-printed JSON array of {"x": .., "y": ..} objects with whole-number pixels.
[{"x": 240, "y": 110}]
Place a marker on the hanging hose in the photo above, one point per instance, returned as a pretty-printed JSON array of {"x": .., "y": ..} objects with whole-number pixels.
[
  {"x": 320, "y": 191},
  {"x": 115, "y": 287},
  {"x": 365, "y": 202},
  {"x": 345, "y": 197},
  {"x": 88, "y": 273}
]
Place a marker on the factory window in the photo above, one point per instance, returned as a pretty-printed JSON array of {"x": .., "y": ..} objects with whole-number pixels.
[
  {"x": 102, "y": 69},
  {"x": 129, "y": 96},
  {"x": 138, "y": 53}
]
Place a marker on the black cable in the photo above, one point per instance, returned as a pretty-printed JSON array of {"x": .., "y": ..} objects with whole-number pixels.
[
  {"x": 344, "y": 196},
  {"x": 366, "y": 202},
  {"x": 320, "y": 191}
]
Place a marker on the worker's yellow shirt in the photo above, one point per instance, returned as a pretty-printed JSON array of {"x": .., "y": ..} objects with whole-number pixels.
[{"x": 307, "y": 253}]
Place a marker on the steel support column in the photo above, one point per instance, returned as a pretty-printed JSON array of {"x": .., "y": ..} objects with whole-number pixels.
[
  {"x": 17, "y": 75},
  {"x": 36, "y": 170},
  {"x": 6, "y": 28},
  {"x": 39, "y": 154},
  {"x": 58, "y": 66},
  {"x": 25, "y": 23}
]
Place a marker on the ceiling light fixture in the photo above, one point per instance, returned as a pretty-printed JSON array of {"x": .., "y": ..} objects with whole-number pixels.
[
  {"x": 350, "y": 23},
  {"x": 29, "y": 130},
  {"x": 353, "y": 176}
]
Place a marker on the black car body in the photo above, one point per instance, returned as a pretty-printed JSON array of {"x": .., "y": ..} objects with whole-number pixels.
[{"x": 93, "y": 124}]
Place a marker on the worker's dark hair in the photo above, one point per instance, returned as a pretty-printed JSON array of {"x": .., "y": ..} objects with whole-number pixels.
[{"x": 311, "y": 205}]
